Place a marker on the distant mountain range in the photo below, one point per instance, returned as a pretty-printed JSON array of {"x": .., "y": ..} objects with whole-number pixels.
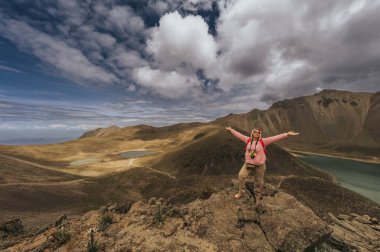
[{"x": 28, "y": 141}]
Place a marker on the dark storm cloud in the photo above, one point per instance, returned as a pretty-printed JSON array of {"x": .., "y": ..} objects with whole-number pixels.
[
  {"x": 332, "y": 44},
  {"x": 249, "y": 62}
]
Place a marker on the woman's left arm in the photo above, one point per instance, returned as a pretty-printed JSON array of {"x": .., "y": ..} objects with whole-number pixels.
[{"x": 272, "y": 139}]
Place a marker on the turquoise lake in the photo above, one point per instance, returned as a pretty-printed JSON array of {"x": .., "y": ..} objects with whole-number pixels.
[{"x": 360, "y": 177}]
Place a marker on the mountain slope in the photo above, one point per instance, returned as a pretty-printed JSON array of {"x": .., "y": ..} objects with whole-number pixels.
[{"x": 335, "y": 121}]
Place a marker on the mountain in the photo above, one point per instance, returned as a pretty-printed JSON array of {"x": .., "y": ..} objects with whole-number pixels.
[{"x": 332, "y": 122}]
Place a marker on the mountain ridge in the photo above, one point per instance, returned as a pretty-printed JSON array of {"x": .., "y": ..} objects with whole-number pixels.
[
  {"x": 331, "y": 120},
  {"x": 335, "y": 122}
]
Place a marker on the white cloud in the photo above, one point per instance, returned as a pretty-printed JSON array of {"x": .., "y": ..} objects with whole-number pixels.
[
  {"x": 124, "y": 19},
  {"x": 271, "y": 48},
  {"x": 247, "y": 33},
  {"x": 69, "y": 61},
  {"x": 5, "y": 105},
  {"x": 281, "y": 71},
  {"x": 131, "y": 88},
  {"x": 197, "y": 4},
  {"x": 71, "y": 9},
  {"x": 6, "y": 126},
  {"x": 104, "y": 40},
  {"x": 182, "y": 40},
  {"x": 162, "y": 6},
  {"x": 10, "y": 69},
  {"x": 265, "y": 47},
  {"x": 58, "y": 126},
  {"x": 180, "y": 46},
  {"x": 126, "y": 59},
  {"x": 159, "y": 6},
  {"x": 167, "y": 84}
]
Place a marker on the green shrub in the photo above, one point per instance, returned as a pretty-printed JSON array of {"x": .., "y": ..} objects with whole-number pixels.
[
  {"x": 61, "y": 236},
  {"x": 158, "y": 216},
  {"x": 92, "y": 245},
  {"x": 105, "y": 220}
]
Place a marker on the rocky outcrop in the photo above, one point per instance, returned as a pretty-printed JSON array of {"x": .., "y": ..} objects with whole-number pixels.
[
  {"x": 219, "y": 223},
  {"x": 290, "y": 226},
  {"x": 354, "y": 233}
]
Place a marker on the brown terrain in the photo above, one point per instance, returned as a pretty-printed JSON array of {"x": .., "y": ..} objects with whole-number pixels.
[{"x": 192, "y": 165}]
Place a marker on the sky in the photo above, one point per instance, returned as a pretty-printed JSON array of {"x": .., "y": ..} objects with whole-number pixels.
[{"x": 69, "y": 66}]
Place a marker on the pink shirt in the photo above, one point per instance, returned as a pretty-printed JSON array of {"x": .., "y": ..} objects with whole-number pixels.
[{"x": 260, "y": 155}]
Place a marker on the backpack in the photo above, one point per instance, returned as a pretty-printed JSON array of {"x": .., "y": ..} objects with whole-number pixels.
[{"x": 262, "y": 144}]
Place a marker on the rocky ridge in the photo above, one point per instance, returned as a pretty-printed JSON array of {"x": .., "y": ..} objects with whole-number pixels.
[{"x": 219, "y": 223}]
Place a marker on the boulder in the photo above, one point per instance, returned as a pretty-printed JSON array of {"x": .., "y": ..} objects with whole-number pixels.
[{"x": 291, "y": 226}]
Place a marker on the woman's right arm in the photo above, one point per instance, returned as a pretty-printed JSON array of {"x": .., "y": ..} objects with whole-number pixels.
[{"x": 237, "y": 134}]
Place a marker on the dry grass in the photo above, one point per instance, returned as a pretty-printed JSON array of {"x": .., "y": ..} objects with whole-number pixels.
[{"x": 106, "y": 148}]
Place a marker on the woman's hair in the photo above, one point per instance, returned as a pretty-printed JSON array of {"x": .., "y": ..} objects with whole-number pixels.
[{"x": 258, "y": 130}]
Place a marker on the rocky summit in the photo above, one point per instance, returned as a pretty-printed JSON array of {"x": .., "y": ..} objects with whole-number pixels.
[{"x": 218, "y": 223}]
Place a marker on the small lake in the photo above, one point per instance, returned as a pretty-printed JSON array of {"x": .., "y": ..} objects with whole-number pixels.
[
  {"x": 135, "y": 154},
  {"x": 360, "y": 177}
]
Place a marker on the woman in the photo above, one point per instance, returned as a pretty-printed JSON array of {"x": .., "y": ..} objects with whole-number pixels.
[{"x": 255, "y": 159}]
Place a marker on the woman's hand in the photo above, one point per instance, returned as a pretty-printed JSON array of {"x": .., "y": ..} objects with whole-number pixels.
[
  {"x": 228, "y": 128},
  {"x": 292, "y": 133}
]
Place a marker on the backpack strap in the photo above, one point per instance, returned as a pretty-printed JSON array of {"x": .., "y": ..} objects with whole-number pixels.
[
  {"x": 249, "y": 140},
  {"x": 262, "y": 143}
]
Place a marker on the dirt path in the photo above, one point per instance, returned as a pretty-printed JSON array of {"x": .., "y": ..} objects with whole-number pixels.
[
  {"x": 38, "y": 182},
  {"x": 69, "y": 182},
  {"x": 132, "y": 163},
  {"x": 30, "y": 163},
  {"x": 372, "y": 160}
]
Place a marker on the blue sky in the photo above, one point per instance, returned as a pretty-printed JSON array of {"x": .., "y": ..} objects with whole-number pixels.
[{"x": 70, "y": 66}]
